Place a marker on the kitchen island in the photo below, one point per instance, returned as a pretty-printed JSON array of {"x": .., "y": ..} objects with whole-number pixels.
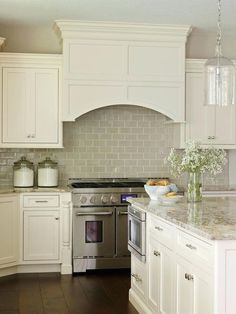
[{"x": 190, "y": 258}]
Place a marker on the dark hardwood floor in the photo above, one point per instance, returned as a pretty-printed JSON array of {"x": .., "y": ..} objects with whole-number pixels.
[{"x": 93, "y": 293}]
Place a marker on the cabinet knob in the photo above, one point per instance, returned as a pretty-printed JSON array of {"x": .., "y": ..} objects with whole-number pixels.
[
  {"x": 211, "y": 137},
  {"x": 156, "y": 253},
  {"x": 56, "y": 218},
  {"x": 188, "y": 276},
  {"x": 28, "y": 136}
]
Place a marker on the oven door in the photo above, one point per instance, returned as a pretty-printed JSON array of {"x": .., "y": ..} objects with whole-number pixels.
[
  {"x": 122, "y": 231},
  {"x": 136, "y": 236},
  {"x": 93, "y": 232}
]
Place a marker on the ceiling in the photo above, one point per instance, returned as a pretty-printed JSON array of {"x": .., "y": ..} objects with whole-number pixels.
[{"x": 201, "y": 14}]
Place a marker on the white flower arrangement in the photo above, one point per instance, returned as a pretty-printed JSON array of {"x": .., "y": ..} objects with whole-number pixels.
[{"x": 196, "y": 159}]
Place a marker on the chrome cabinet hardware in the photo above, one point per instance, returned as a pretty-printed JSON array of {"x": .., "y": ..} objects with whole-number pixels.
[
  {"x": 136, "y": 277},
  {"x": 211, "y": 137},
  {"x": 156, "y": 253},
  {"x": 158, "y": 228},
  {"x": 56, "y": 218},
  {"x": 190, "y": 246},
  {"x": 188, "y": 276},
  {"x": 94, "y": 213}
]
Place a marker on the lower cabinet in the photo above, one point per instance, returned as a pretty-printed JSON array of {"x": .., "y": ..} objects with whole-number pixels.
[
  {"x": 9, "y": 222},
  {"x": 160, "y": 278},
  {"x": 138, "y": 277},
  {"x": 41, "y": 236},
  {"x": 193, "y": 289}
]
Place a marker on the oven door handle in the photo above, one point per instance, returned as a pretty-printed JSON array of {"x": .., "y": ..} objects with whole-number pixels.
[
  {"x": 120, "y": 213},
  {"x": 94, "y": 214}
]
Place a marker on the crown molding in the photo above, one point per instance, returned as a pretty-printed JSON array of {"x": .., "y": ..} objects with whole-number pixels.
[
  {"x": 34, "y": 58},
  {"x": 73, "y": 29}
]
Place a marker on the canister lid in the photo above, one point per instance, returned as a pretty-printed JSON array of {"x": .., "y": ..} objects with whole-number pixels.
[
  {"x": 23, "y": 162},
  {"x": 47, "y": 163}
]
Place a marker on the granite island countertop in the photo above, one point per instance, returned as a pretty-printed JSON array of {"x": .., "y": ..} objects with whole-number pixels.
[{"x": 214, "y": 218}]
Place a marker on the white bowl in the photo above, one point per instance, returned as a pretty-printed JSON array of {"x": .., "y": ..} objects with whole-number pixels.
[{"x": 156, "y": 191}]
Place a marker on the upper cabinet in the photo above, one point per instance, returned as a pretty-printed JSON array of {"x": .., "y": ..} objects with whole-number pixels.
[
  {"x": 112, "y": 63},
  {"x": 30, "y": 100},
  {"x": 211, "y": 125}
]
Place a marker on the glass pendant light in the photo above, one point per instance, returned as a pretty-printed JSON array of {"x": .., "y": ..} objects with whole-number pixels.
[{"x": 219, "y": 75}]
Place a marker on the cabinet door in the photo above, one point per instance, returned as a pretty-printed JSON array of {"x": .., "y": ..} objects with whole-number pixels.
[
  {"x": 138, "y": 277},
  {"x": 160, "y": 278},
  {"x": 30, "y": 105},
  {"x": 44, "y": 117},
  {"x": 41, "y": 235},
  {"x": 200, "y": 119},
  {"x": 16, "y": 96},
  {"x": 207, "y": 124},
  {"x": 9, "y": 221},
  {"x": 193, "y": 289}
]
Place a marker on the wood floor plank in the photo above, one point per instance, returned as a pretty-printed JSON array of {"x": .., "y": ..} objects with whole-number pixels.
[
  {"x": 96, "y": 295},
  {"x": 9, "y": 300},
  {"x": 74, "y": 295}
]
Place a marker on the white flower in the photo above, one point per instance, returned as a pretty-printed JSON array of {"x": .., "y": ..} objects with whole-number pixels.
[{"x": 196, "y": 159}]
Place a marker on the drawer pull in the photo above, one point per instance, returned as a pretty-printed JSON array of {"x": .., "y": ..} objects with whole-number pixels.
[
  {"x": 136, "y": 277},
  {"x": 42, "y": 201},
  {"x": 188, "y": 276},
  {"x": 156, "y": 253},
  {"x": 158, "y": 228},
  {"x": 190, "y": 246}
]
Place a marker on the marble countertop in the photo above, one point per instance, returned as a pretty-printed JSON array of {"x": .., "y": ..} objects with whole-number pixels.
[{"x": 214, "y": 218}]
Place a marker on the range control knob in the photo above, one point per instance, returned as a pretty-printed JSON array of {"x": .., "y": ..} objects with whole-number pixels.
[
  {"x": 93, "y": 199},
  {"x": 83, "y": 199},
  {"x": 114, "y": 199},
  {"x": 105, "y": 199}
]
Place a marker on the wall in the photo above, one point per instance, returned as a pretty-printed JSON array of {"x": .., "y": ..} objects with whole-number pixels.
[{"x": 116, "y": 141}]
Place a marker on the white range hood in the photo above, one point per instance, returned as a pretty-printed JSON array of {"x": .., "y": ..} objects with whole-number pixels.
[{"x": 114, "y": 63}]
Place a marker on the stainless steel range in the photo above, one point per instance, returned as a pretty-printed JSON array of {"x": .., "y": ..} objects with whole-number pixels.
[{"x": 100, "y": 223}]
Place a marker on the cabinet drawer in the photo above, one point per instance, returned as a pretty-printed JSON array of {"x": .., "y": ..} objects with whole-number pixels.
[
  {"x": 39, "y": 201},
  {"x": 161, "y": 231},
  {"x": 194, "y": 249},
  {"x": 138, "y": 277}
]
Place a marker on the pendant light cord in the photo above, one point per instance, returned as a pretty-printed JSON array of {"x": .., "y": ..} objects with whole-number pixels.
[{"x": 219, "y": 33}]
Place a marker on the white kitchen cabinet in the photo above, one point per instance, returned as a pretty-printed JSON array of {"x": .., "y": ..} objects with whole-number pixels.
[
  {"x": 211, "y": 125},
  {"x": 41, "y": 235},
  {"x": 160, "y": 277},
  {"x": 9, "y": 227},
  {"x": 193, "y": 289},
  {"x": 30, "y": 101}
]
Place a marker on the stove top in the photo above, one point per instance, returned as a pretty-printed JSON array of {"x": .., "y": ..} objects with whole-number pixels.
[
  {"x": 80, "y": 185},
  {"x": 107, "y": 183}
]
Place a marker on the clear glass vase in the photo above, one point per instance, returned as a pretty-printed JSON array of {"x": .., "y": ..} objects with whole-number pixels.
[{"x": 194, "y": 191}]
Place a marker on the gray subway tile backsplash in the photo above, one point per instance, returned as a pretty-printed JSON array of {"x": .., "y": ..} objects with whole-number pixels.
[{"x": 115, "y": 141}]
